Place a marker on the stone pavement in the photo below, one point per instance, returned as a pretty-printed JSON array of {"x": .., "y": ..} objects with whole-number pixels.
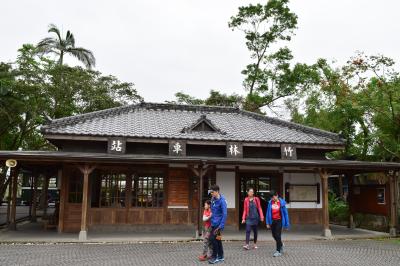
[
  {"x": 33, "y": 232},
  {"x": 317, "y": 252}
]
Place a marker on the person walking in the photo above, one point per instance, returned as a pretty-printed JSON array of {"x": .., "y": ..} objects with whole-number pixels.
[
  {"x": 277, "y": 217},
  {"x": 252, "y": 214},
  {"x": 218, "y": 218},
  {"x": 207, "y": 246}
]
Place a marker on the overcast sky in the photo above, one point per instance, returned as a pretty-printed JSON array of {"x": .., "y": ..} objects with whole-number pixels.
[{"x": 169, "y": 46}]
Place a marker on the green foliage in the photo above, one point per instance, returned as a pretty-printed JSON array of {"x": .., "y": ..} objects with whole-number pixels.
[
  {"x": 360, "y": 101},
  {"x": 338, "y": 209},
  {"x": 270, "y": 76},
  {"x": 215, "y": 98},
  {"x": 61, "y": 46},
  {"x": 36, "y": 88}
]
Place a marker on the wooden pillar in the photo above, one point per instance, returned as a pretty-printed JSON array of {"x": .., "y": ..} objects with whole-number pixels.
[
  {"x": 325, "y": 204},
  {"x": 86, "y": 170},
  {"x": 200, "y": 173},
  {"x": 237, "y": 197},
  {"x": 13, "y": 211},
  {"x": 350, "y": 178},
  {"x": 34, "y": 197},
  {"x": 200, "y": 213},
  {"x": 45, "y": 195},
  {"x": 393, "y": 204},
  {"x": 340, "y": 181},
  {"x": 9, "y": 201},
  {"x": 63, "y": 198}
]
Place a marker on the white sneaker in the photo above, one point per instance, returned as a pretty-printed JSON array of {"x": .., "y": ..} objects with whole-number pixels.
[
  {"x": 277, "y": 254},
  {"x": 246, "y": 247}
]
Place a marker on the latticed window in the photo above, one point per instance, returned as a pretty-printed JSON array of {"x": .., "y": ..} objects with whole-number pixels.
[
  {"x": 112, "y": 192},
  {"x": 147, "y": 191}
]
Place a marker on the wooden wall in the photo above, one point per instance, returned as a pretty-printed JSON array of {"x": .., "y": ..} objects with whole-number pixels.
[
  {"x": 180, "y": 207},
  {"x": 178, "y": 187},
  {"x": 305, "y": 216},
  {"x": 366, "y": 200}
]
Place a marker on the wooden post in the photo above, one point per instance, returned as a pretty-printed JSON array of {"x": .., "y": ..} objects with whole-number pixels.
[
  {"x": 86, "y": 170},
  {"x": 13, "y": 214},
  {"x": 340, "y": 181},
  {"x": 200, "y": 214},
  {"x": 325, "y": 207},
  {"x": 393, "y": 204},
  {"x": 34, "y": 197},
  {"x": 9, "y": 201},
  {"x": 350, "y": 177},
  {"x": 45, "y": 195},
  {"x": 237, "y": 197},
  {"x": 200, "y": 173},
  {"x": 63, "y": 198}
]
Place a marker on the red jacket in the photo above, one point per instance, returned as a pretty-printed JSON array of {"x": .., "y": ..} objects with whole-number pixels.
[{"x": 246, "y": 205}]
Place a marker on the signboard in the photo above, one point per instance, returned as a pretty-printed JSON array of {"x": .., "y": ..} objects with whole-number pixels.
[
  {"x": 288, "y": 152},
  {"x": 302, "y": 193},
  {"x": 177, "y": 148},
  {"x": 234, "y": 150},
  {"x": 116, "y": 145}
]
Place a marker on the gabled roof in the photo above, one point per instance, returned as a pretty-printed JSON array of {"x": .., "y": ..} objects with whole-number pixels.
[
  {"x": 203, "y": 124},
  {"x": 168, "y": 121}
]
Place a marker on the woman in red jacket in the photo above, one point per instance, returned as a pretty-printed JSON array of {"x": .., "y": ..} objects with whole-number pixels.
[{"x": 252, "y": 214}]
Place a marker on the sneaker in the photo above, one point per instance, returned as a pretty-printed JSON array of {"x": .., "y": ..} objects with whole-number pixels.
[
  {"x": 203, "y": 258},
  {"x": 283, "y": 245},
  {"x": 255, "y": 246},
  {"x": 277, "y": 254},
  {"x": 246, "y": 247},
  {"x": 213, "y": 261},
  {"x": 221, "y": 259}
]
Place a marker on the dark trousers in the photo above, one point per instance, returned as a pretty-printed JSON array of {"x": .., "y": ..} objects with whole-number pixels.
[
  {"x": 250, "y": 227},
  {"x": 276, "y": 228},
  {"x": 218, "y": 250}
]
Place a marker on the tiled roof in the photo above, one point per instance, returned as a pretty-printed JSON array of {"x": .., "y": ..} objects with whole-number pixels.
[{"x": 168, "y": 121}]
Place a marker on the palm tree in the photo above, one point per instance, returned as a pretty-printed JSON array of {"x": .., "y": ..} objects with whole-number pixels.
[{"x": 60, "y": 46}]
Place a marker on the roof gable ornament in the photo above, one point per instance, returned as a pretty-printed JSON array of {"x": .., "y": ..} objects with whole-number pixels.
[{"x": 203, "y": 124}]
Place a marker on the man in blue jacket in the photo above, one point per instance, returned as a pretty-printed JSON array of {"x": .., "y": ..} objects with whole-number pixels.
[
  {"x": 219, "y": 213},
  {"x": 276, "y": 218}
]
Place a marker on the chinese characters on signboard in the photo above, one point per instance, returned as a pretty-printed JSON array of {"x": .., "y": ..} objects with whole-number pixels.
[
  {"x": 116, "y": 145},
  {"x": 288, "y": 152},
  {"x": 234, "y": 150},
  {"x": 177, "y": 148}
]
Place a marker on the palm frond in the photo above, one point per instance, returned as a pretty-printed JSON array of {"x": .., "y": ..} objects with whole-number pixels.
[
  {"x": 70, "y": 40},
  {"x": 54, "y": 28},
  {"x": 47, "y": 44},
  {"x": 83, "y": 55}
]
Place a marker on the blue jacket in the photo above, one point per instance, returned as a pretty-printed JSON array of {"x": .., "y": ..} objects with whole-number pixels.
[
  {"x": 284, "y": 213},
  {"x": 219, "y": 212}
]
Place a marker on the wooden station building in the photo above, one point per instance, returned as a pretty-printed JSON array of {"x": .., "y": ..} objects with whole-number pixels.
[{"x": 153, "y": 164}]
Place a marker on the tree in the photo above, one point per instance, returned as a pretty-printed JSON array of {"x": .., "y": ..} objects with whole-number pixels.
[
  {"x": 270, "y": 76},
  {"x": 359, "y": 100},
  {"x": 62, "y": 46},
  {"x": 30, "y": 93},
  {"x": 215, "y": 99}
]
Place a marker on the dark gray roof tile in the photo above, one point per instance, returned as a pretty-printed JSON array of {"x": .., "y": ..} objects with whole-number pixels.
[{"x": 167, "y": 121}]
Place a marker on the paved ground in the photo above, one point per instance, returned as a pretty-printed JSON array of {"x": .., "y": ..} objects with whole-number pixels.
[
  {"x": 322, "y": 252},
  {"x": 34, "y": 232}
]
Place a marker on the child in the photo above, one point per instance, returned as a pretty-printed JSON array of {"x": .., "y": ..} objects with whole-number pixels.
[{"x": 207, "y": 246}]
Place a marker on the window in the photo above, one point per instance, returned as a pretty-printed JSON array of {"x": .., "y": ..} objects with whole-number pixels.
[
  {"x": 381, "y": 196},
  {"x": 75, "y": 188},
  {"x": 112, "y": 191},
  {"x": 147, "y": 191}
]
